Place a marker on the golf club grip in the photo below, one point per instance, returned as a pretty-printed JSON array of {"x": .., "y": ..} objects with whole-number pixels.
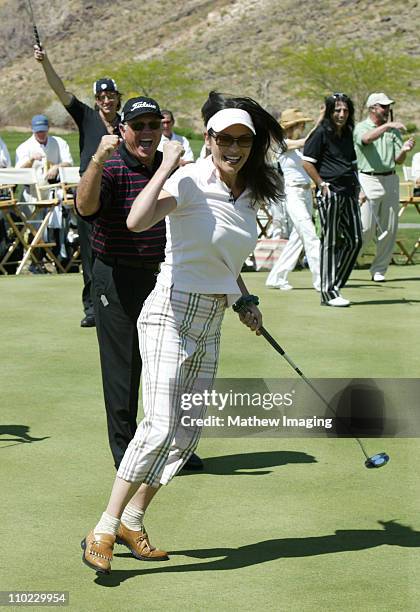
[{"x": 36, "y": 35}]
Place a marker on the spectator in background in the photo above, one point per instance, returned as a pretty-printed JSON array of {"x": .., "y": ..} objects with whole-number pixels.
[
  {"x": 298, "y": 193},
  {"x": 5, "y": 161},
  {"x": 42, "y": 152},
  {"x": 168, "y": 122},
  {"x": 379, "y": 147},
  {"x": 330, "y": 160},
  {"x": 92, "y": 125},
  {"x": 45, "y": 154}
]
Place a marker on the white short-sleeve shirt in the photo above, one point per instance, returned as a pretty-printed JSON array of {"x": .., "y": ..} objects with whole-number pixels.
[
  {"x": 208, "y": 235},
  {"x": 55, "y": 151},
  {"x": 188, "y": 153}
]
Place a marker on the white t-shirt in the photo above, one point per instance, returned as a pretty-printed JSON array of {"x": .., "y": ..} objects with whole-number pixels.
[
  {"x": 208, "y": 236},
  {"x": 5, "y": 161},
  {"x": 415, "y": 166},
  {"x": 54, "y": 151},
  {"x": 291, "y": 164},
  {"x": 188, "y": 155}
]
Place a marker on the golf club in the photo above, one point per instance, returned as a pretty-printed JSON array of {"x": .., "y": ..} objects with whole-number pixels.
[
  {"x": 31, "y": 15},
  {"x": 375, "y": 216},
  {"x": 376, "y": 461}
]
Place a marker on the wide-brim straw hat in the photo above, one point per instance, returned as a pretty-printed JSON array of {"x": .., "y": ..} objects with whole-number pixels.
[{"x": 292, "y": 116}]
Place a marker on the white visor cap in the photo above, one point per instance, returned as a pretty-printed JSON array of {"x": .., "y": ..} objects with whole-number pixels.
[{"x": 230, "y": 116}]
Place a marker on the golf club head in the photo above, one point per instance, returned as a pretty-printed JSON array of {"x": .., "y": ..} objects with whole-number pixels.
[
  {"x": 382, "y": 236},
  {"x": 377, "y": 461}
]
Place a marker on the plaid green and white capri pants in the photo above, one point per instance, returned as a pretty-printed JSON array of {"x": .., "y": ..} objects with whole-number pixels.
[{"x": 179, "y": 335}]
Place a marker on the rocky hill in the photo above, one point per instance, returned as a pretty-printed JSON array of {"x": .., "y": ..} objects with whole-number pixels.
[{"x": 230, "y": 45}]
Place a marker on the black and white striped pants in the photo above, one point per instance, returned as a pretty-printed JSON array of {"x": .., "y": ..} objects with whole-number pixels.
[{"x": 341, "y": 240}]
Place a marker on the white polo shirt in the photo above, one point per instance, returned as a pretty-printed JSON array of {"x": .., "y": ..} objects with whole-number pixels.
[
  {"x": 188, "y": 154},
  {"x": 208, "y": 236}
]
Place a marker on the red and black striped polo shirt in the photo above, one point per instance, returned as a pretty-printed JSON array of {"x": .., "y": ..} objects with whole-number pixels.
[{"x": 122, "y": 180}]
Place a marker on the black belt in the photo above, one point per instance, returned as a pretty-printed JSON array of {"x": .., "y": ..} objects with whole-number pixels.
[
  {"x": 128, "y": 262},
  {"x": 379, "y": 173}
]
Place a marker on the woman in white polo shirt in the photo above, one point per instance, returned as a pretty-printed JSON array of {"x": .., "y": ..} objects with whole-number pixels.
[
  {"x": 298, "y": 205},
  {"x": 210, "y": 209}
]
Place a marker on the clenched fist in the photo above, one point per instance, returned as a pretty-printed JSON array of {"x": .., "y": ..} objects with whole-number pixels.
[
  {"x": 172, "y": 153},
  {"x": 39, "y": 54},
  {"x": 106, "y": 147}
]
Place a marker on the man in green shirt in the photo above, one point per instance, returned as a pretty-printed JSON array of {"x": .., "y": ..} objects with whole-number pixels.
[{"x": 379, "y": 147}]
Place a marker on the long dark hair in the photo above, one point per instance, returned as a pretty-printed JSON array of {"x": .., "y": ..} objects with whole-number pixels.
[
  {"x": 259, "y": 175},
  {"x": 330, "y": 101}
]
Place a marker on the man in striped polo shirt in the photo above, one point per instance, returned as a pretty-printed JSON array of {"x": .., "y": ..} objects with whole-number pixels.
[{"x": 126, "y": 263}]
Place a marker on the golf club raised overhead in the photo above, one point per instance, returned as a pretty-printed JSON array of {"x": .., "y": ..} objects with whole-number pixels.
[
  {"x": 376, "y": 461},
  {"x": 35, "y": 29}
]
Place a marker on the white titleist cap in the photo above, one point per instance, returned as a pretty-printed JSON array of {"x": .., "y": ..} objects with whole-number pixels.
[
  {"x": 378, "y": 98},
  {"x": 230, "y": 116}
]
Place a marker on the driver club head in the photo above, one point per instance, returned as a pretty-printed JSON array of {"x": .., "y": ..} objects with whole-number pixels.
[{"x": 377, "y": 461}]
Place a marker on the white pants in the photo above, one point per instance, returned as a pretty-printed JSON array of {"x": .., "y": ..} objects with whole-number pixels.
[
  {"x": 299, "y": 208},
  {"x": 383, "y": 198}
]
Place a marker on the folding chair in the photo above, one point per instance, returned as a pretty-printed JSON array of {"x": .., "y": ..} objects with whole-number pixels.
[
  {"x": 23, "y": 229},
  {"x": 69, "y": 179}
]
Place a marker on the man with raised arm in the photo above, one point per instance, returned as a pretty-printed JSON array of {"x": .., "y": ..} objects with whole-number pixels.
[{"x": 93, "y": 123}]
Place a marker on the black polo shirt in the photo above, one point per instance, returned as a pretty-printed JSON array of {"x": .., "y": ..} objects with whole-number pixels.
[
  {"x": 334, "y": 157},
  {"x": 122, "y": 180},
  {"x": 91, "y": 129}
]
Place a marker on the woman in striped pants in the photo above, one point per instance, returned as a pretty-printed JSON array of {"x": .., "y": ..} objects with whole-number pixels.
[{"x": 210, "y": 209}]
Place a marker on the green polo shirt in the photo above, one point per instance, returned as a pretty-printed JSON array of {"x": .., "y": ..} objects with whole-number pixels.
[{"x": 379, "y": 155}]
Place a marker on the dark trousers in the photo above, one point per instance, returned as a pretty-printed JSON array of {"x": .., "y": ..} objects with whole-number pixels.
[
  {"x": 118, "y": 296},
  {"x": 341, "y": 240},
  {"x": 85, "y": 240}
]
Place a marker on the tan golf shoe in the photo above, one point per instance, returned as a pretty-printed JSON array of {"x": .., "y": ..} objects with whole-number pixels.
[
  {"x": 138, "y": 543},
  {"x": 97, "y": 551}
]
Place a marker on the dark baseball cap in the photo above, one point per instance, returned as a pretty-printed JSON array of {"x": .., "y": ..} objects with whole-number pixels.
[
  {"x": 105, "y": 84},
  {"x": 134, "y": 107}
]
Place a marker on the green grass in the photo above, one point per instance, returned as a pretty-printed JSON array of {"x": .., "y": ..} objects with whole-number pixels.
[{"x": 277, "y": 524}]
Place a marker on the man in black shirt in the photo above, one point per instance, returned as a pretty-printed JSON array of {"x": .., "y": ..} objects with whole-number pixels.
[
  {"x": 330, "y": 160},
  {"x": 92, "y": 124}
]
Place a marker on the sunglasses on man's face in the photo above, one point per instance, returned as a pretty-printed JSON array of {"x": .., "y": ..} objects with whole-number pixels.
[
  {"x": 139, "y": 126},
  {"x": 226, "y": 140},
  {"x": 108, "y": 95}
]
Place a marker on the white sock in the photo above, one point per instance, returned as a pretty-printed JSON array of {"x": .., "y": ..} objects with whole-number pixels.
[
  {"x": 133, "y": 518},
  {"x": 107, "y": 524}
]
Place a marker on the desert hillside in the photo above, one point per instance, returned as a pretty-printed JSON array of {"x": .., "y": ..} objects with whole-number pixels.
[{"x": 192, "y": 46}]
